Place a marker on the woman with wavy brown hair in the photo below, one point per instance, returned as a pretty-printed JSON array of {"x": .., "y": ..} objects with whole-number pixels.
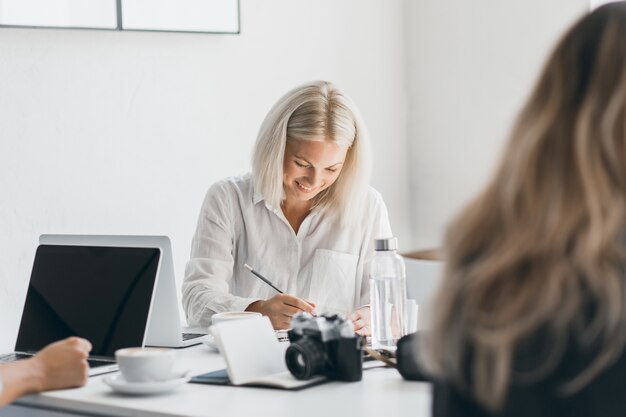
[{"x": 531, "y": 316}]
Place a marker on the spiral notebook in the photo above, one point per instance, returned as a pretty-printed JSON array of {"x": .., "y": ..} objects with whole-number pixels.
[{"x": 253, "y": 356}]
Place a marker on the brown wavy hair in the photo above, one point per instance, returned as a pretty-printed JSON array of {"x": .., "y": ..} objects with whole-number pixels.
[{"x": 545, "y": 239}]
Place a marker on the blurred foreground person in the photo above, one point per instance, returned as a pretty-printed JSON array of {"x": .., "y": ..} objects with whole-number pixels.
[{"x": 531, "y": 316}]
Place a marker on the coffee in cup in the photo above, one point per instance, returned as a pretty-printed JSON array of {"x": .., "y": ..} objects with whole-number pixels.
[
  {"x": 139, "y": 364},
  {"x": 233, "y": 315}
]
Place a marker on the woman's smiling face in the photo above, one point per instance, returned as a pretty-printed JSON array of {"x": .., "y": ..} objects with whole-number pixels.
[{"x": 309, "y": 167}]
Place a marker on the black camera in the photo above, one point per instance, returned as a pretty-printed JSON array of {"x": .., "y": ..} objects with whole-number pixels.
[{"x": 325, "y": 345}]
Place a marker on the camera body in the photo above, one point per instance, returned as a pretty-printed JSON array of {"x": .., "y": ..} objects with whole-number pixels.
[{"x": 324, "y": 345}]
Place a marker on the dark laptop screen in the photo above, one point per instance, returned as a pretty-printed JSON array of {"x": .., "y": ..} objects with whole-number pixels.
[{"x": 100, "y": 293}]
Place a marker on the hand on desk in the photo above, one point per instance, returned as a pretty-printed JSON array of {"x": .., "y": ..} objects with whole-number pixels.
[
  {"x": 361, "y": 320},
  {"x": 61, "y": 364},
  {"x": 281, "y": 308}
]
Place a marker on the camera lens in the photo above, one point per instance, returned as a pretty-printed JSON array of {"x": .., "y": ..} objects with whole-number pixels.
[{"x": 305, "y": 358}]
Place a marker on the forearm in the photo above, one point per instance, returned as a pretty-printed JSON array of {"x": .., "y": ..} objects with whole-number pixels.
[
  {"x": 19, "y": 378},
  {"x": 205, "y": 287},
  {"x": 202, "y": 300}
]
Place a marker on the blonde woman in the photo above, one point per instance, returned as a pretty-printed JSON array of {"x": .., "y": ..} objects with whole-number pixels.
[
  {"x": 305, "y": 218},
  {"x": 531, "y": 316}
]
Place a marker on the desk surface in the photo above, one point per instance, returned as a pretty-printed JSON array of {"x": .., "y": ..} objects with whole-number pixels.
[{"x": 382, "y": 392}]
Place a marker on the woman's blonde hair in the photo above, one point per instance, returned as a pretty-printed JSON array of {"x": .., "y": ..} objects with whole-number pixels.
[
  {"x": 541, "y": 250},
  {"x": 314, "y": 111}
]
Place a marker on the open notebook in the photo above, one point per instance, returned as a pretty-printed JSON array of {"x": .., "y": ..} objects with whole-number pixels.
[{"x": 253, "y": 356}]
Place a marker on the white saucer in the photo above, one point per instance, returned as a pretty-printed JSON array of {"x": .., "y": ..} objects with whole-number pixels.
[{"x": 119, "y": 384}]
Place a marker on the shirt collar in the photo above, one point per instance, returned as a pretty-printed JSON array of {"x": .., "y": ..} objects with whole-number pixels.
[{"x": 257, "y": 197}]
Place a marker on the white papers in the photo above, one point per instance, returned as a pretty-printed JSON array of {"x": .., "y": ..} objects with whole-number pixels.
[
  {"x": 253, "y": 355},
  {"x": 412, "y": 316}
]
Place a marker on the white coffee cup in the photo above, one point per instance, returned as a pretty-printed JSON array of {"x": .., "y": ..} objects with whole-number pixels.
[
  {"x": 233, "y": 315},
  {"x": 139, "y": 364}
]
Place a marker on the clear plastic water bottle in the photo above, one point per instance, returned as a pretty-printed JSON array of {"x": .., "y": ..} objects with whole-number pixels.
[{"x": 387, "y": 294}]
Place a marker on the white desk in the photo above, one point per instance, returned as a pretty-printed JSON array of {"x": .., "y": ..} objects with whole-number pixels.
[{"x": 382, "y": 392}]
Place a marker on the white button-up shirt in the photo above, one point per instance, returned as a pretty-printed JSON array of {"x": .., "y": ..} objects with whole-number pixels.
[{"x": 323, "y": 263}]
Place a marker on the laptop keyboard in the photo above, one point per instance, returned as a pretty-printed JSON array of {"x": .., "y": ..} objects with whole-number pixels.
[
  {"x": 189, "y": 336},
  {"x": 12, "y": 357},
  {"x": 94, "y": 363}
]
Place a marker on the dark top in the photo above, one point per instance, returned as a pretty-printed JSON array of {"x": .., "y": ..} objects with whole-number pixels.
[{"x": 604, "y": 396}]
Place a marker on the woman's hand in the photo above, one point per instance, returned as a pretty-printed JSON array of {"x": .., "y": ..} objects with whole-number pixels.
[
  {"x": 281, "y": 308},
  {"x": 361, "y": 320},
  {"x": 62, "y": 364},
  {"x": 59, "y": 365}
]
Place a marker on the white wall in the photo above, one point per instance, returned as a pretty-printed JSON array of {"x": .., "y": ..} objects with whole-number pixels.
[
  {"x": 122, "y": 132},
  {"x": 115, "y": 132},
  {"x": 471, "y": 66}
]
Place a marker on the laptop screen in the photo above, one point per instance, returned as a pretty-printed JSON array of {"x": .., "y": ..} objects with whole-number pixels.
[{"x": 100, "y": 293}]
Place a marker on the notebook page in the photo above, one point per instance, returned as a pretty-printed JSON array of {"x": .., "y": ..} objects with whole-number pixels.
[
  {"x": 250, "y": 349},
  {"x": 286, "y": 380}
]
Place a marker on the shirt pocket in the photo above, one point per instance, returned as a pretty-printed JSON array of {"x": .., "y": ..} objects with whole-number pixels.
[{"x": 333, "y": 283}]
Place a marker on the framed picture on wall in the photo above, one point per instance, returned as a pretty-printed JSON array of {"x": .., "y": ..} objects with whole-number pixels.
[
  {"x": 199, "y": 16},
  {"x": 72, "y": 14},
  {"x": 212, "y": 16}
]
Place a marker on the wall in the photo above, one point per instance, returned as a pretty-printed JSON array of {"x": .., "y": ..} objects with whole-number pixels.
[
  {"x": 109, "y": 132},
  {"x": 122, "y": 132},
  {"x": 471, "y": 65}
]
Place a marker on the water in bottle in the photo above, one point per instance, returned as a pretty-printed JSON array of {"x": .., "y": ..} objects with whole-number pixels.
[{"x": 387, "y": 295}]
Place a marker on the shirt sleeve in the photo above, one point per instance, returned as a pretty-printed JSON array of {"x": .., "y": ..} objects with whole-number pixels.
[
  {"x": 379, "y": 228},
  {"x": 209, "y": 272}
]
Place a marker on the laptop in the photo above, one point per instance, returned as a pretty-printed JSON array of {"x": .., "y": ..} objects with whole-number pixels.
[
  {"x": 164, "y": 327},
  {"x": 102, "y": 294}
]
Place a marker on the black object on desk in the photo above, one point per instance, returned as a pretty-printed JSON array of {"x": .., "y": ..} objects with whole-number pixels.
[
  {"x": 220, "y": 377},
  {"x": 407, "y": 357}
]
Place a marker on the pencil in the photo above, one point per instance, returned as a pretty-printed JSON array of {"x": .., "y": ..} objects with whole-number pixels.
[{"x": 261, "y": 277}]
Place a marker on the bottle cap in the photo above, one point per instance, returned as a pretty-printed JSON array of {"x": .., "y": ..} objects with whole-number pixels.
[{"x": 386, "y": 244}]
